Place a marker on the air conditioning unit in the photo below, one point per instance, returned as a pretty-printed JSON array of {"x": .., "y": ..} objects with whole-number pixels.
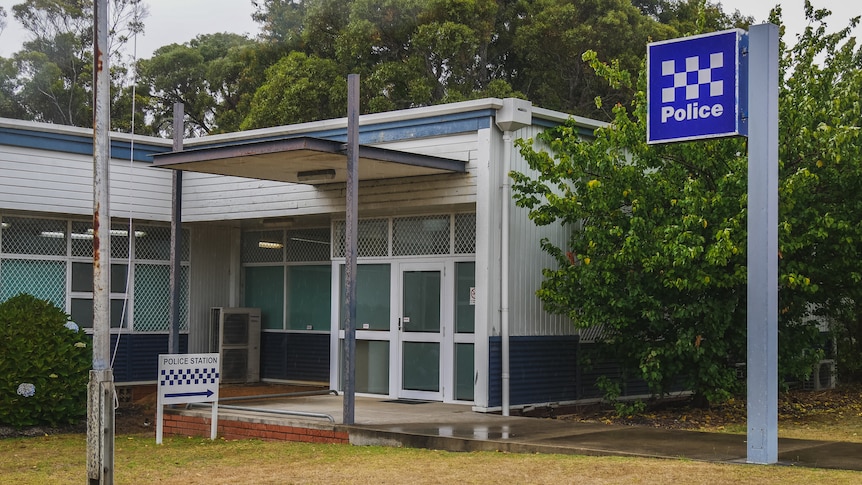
[
  {"x": 235, "y": 335},
  {"x": 823, "y": 376}
]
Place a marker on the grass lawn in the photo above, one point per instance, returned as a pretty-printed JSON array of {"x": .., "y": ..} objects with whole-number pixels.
[{"x": 61, "y": 459}]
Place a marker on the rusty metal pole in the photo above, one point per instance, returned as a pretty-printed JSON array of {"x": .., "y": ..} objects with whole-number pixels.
[
  {"x": 100, "y": 391},
  {"x": 176, "y": 235},
  {"x": 351, "y": 238}
]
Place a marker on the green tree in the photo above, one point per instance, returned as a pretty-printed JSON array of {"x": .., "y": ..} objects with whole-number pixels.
[
  {"x": 821, "y": 167},
  {"x": 205, "y": 75},
  {"x": 657, "y": 252},
  {"x": 551, "y": 36},
  {"x": 298, "y": 88},
  {"x": 53, "y": 72}
]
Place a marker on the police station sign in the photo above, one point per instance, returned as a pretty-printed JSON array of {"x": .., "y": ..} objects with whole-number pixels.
[
  {"x": 187, "y": 378},
  {"x": 696, "y": 87}
]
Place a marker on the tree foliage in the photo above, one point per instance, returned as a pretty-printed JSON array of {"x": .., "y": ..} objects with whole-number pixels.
[
  {"x": 657, "y": 252},
  {"x": 205, "y": 75},
  {"x": 408, "y": 53},
  {"x": 50, "y": 79}
]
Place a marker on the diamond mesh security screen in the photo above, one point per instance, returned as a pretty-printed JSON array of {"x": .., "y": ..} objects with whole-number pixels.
[
  {"x": 412, "y": 236},
  {"x": 465, "y": 233},
  {"x": 372, "y": 236},
  {"x": 153, "y": 243},
  {"x": 263, "y": 246},
  {"x": 42, "y": 279},
  {"x": 36, "y": 254},
  {"x": 82, "y": 239},
  {"x": 152, "y": 297},
  {"x": 34, "y": 236},
  {"x": 308, "y": 245}
]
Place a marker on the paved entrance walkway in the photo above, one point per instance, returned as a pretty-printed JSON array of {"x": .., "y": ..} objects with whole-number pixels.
[{"x": 457, "y": 428}]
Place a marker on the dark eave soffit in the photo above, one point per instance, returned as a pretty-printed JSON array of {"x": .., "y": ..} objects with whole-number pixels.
[{"x": 304, "y": 160}]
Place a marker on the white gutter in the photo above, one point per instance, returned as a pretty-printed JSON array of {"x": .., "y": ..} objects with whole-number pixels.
[{"x": 514, "y": 115}]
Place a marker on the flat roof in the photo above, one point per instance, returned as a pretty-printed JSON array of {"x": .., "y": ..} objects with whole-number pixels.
[{"x": 304, "y": 160}]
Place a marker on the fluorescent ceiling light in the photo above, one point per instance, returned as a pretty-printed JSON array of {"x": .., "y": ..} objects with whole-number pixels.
[
  {"x": 120, "y": 233},
  {"x": 301, "y": 239},
  {"x": 89, "y": 234},
  {"x": 269, "y": 245}
]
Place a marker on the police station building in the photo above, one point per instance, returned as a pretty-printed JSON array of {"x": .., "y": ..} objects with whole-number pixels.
[{"x": 263, "y": 223}]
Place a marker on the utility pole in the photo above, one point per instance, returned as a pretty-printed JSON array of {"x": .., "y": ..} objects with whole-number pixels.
[
  {"x": 351, "y": 238},
  {"x": 100, "y": 390}
]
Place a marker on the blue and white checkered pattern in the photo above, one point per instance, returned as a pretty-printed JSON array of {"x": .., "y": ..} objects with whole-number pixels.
[
  {"x": 692, "y": 77},
  {"x": 179, "y": 377}
]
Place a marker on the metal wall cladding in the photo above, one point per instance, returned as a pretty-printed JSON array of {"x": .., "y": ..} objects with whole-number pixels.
[
  {"x": 549, "y": 369},
  {"x": 541, "y": 370},
  {"x": 210, "y": 280},
  {"x": 295, "y": 356},
  {"x": 526, "y": 261},
  {"x": 137, "y": 356}
]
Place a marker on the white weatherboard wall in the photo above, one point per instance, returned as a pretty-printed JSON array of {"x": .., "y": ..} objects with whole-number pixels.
[
  {"x": 62, "y": 183},
  {"x": 214, "y": 197}
]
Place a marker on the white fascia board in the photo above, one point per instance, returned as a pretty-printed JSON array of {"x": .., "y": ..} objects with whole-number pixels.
[{"x": 53, "y": 128}]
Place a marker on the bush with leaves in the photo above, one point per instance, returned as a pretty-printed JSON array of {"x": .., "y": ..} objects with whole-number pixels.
[
  {"x": 44, "y": 364},
  {"x": 657, "y": 255}
]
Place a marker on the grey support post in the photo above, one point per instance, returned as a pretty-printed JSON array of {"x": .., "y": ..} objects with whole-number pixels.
[{"x": 762, "y": 366}]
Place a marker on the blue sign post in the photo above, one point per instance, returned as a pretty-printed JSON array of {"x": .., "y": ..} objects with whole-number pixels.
[
  {"x": 698, "y": 88},
  {"x": 695, "y": 87}
]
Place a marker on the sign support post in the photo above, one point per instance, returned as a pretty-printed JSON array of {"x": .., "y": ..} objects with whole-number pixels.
[
  {"x": 726, "y": 84},
  {"x": 187, "y": 378},
  {"x": 762, "y": 365}
]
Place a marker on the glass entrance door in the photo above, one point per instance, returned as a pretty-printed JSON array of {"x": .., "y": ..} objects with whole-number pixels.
[{"x": 420, "y": 331}]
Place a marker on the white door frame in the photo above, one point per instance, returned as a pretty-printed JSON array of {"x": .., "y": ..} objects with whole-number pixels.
[{"x": 443, "y": 337}]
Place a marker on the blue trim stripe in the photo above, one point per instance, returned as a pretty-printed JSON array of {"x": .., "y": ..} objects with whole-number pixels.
[
  {"x": 82, "y": 145},
  {"x": 393, "y": 131}
]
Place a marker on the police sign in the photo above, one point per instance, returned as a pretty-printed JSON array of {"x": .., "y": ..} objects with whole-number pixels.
[
  {"x": 187, "y": 378},
  {"x": 696, "y": 87}
]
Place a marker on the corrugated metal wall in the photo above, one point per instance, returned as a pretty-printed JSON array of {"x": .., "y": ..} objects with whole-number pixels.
[
  {"x": 137, "y": 355},
  {"x": 210, "y": 280},
  {"x": 526, "y": 261},
  {"x": 541, "y": 369},
  {"x": 295, "y": 356}
]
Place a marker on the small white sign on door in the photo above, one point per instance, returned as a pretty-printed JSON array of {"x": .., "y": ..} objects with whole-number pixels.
[{"x": 472, "y": 295}]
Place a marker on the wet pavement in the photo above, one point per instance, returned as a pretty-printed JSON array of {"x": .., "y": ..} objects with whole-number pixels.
[{"x": 455, "y": 427}]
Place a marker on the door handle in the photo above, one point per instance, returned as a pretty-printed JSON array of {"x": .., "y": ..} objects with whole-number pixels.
[{"x": 399, "y": 324}]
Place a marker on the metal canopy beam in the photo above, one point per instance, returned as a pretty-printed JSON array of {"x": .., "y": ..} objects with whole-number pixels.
[{"x": 305, "y": 160}]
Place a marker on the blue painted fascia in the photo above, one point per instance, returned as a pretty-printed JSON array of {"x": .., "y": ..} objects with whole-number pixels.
[
  {"x": 77, "y": 144},
  {"x": 450, "y": 124},
  {"x": 550, "y": 124}
]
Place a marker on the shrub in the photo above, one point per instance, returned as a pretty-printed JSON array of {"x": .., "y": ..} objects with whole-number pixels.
[{"x": 44, "y": 364}]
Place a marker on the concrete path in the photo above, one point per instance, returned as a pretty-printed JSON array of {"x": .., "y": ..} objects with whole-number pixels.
[{"x": 456, "y": 427}]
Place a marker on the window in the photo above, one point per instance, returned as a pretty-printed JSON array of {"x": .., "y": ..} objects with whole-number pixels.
[
  {"x": 264, "y": 289},
  {"x": 372, "y": 296},
  {"x": 82, "y": 294},
  {"x": 309, "y": 293},
  {"x": 52, "y": 259}
]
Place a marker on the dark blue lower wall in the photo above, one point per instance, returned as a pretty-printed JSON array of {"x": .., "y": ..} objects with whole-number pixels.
[
  {"x": 550, "y": 369},
  {"x": 137, "y": 355},
  {"x": 294, "y": 356},
  {"x": 541, "y": 369}
]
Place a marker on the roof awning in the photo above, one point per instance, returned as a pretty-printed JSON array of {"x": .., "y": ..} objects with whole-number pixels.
[{"x": 304, "y": 160}]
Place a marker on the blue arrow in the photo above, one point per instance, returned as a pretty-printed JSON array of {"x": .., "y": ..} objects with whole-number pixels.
[{"x": 206, "y": 393}]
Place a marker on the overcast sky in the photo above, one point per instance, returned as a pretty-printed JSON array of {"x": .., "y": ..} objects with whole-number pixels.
[{"x": 178, "y": 21}]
